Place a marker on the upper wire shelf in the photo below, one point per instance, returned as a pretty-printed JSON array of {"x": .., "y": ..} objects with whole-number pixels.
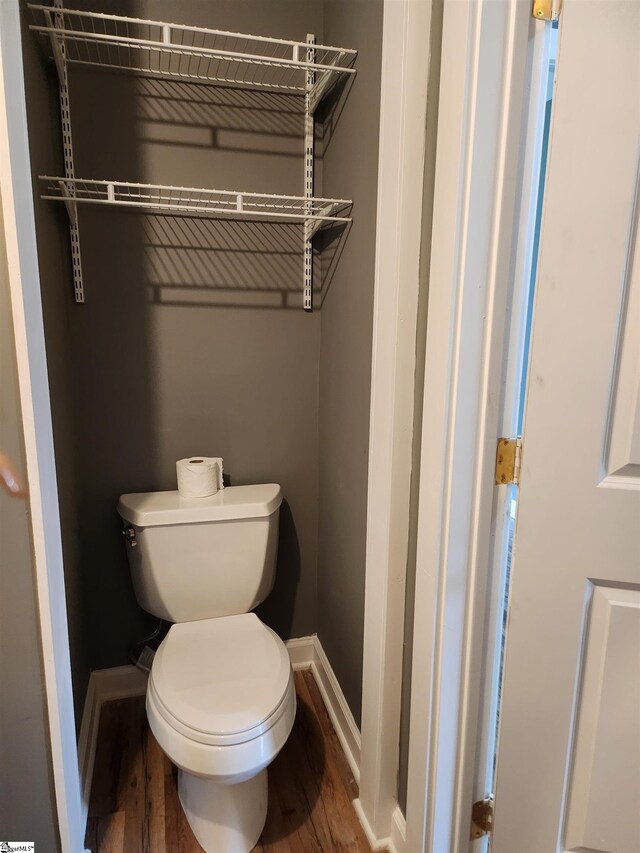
[
  {"x": 192, "y": 201},
  {"x": 176, "y": 51}
]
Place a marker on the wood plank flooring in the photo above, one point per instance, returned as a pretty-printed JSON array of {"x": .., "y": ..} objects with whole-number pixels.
[{"x": 134, "y": 805}]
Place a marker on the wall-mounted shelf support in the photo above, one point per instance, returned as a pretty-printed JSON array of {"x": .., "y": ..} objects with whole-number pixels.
[
  {"x": 309, "y": 164},
  {"x": 175, "y": 51},
  {"x": 58, "y": 47}
]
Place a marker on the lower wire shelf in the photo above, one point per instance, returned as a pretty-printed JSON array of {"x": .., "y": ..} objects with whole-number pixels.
[{"x": 313, "y": 212}]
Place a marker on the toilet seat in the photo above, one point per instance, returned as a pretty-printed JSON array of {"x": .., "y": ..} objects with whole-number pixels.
[
  {"x": 231, "y": 763},
  {"x": 221, "y": 681}
]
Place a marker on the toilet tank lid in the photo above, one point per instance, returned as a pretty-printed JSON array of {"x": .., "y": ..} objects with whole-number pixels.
[{"x": 151, "y": 509}]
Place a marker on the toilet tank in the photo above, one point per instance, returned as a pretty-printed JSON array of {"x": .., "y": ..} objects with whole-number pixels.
[{"x": 198, "y": 558}]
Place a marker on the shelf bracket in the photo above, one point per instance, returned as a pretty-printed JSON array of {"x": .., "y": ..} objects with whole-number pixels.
[
  {"x": 69, "y": 202},
  {"x": 57, "y": 46},
  {"x": 68, "y": 190},
  {"x": 309, "y": 146},
  {"x": 316, "y": 224},
  {"x": 326, "y": 80}
]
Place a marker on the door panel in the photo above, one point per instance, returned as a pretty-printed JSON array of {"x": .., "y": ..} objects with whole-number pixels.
[
  {"x": 602, "y": 811},
  {"x": 623, "y": 458},
  {"x": 571, "y": 664}
]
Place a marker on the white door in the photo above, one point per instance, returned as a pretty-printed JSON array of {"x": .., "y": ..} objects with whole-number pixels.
[{"x": 568, "y": 772}]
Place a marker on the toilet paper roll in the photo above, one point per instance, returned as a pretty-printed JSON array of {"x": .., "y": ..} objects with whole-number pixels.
[{"x": 199, "y": 476}]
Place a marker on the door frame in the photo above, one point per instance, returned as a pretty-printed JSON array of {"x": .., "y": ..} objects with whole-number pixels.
[
  {"x": 24, "y": 284},
  {"x": 405, "y": 68},
  {"x": 488, "y": 63}
]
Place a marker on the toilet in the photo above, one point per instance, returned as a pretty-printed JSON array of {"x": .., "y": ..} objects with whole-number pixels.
[{"x": 220, "y": 698}]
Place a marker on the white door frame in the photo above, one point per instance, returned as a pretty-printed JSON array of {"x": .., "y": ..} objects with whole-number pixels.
[
  {"x": 403, "y": 109},
  {"x": 486, "y": 52},
  {"x": 24, "y": 282}
]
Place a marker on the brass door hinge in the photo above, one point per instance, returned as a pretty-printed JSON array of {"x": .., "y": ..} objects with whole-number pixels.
[
  {"x": 482, "y": 817},
  {"x": 546, "y": 10},
  {"x": 508, "y": 454}
]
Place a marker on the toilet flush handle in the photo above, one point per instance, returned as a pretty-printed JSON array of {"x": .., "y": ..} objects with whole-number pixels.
[{"x": 129, "y": 534}]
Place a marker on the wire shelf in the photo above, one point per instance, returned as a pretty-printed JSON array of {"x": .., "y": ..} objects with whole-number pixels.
[
  {"x": 205, "y": 56},
  {"x": 314, "y": 213},
  {"x": 172, "y": 50}
]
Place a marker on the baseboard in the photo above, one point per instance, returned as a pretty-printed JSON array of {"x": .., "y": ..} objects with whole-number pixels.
[
  {"x": 307, "y": 653},
  {"x": 302, "y": 651},
  {"x": 87, "y": 746},
  {"x": 398, "y": 832},
  {"x": 376, "y": 844},
  {"x": 119, "y": 682},
  {"x": 105, "y": 685},
  {"x": 397, "y": 840},
  {"x": 338, "y": 709}
]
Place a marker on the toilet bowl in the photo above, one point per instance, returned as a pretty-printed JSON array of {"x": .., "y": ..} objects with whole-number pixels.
[
  {"x": 220, "y": 698},
  {"x": 221, "y": 703}
]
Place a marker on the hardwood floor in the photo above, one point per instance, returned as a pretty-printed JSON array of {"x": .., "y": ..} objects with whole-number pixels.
[{"x": 134, "y": 804}]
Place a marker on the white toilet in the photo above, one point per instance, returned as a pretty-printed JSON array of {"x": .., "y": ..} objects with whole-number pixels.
[{"x": 221, "y": 699}]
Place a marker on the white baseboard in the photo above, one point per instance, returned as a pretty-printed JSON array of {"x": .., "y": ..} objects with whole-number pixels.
[
  {"x": 305, "y": 653},
  {"x": 87, "y": 746},
  {"x": 398, "y": 832},
  {"x": 397, "y": 840},
  {"x": 117, "y": 682},
  {"x": 302, "y": 651},
  {"x": 376, "y": 844}
]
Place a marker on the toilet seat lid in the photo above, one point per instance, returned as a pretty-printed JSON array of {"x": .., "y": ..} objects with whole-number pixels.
[{"x": 221, "y": 676}]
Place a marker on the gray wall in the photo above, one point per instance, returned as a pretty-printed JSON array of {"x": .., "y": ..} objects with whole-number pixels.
[
  {"x": 43, "y": 116},
  {"x": 191, "y": 339},
  {"x": 25, "y": 777},
  {"x": 350, "y": 171}
]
